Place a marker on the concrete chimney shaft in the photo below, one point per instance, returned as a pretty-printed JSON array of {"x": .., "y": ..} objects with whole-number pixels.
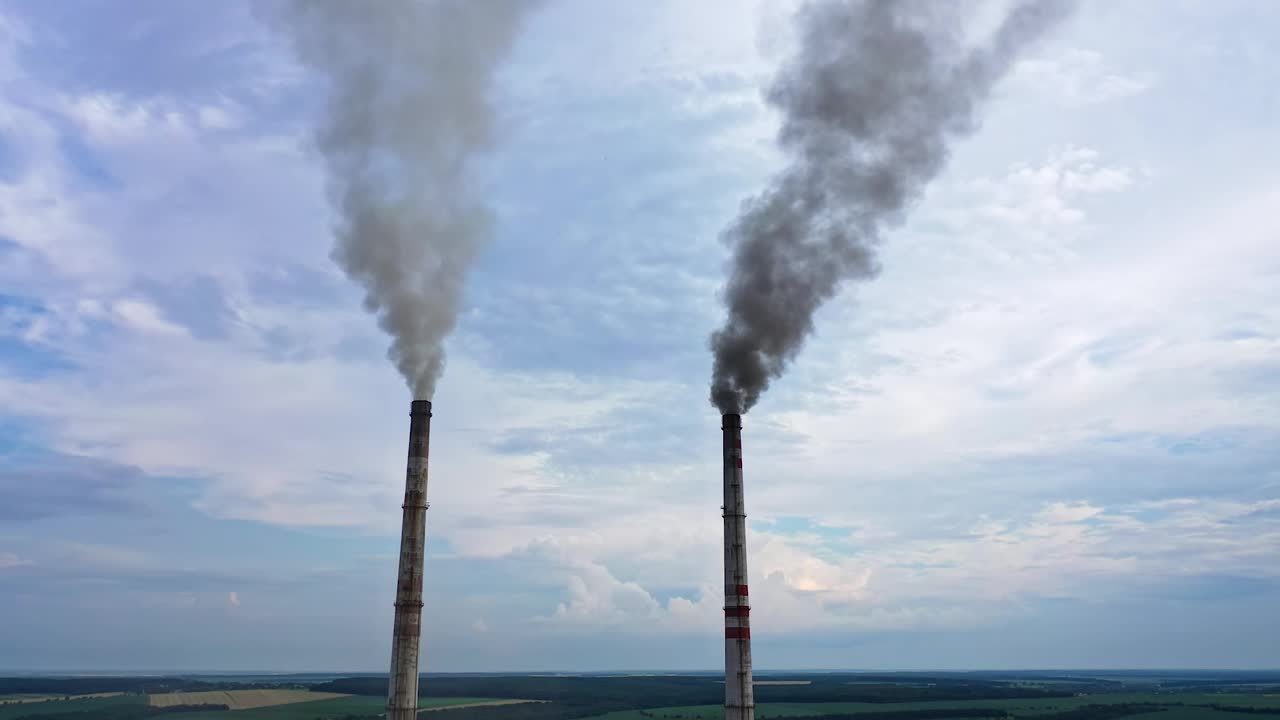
[
  {"x": 402, "y": 695},
  {"x": 739, "y": 698}
]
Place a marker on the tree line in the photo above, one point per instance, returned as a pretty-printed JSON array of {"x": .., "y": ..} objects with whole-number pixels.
[
  {"x": 122, "y": 712},
  {"x": 640, "y": 692}
]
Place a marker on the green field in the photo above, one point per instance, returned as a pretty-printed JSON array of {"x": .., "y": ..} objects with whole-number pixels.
[
  {"x": 333, "y": 708},
  {"x": 1188, "y": 713},
  {"x": 1022, "y": 707},
  {"x": 322, "y": 709},
  {"x": 17, "y": 710},
  {"x": 1194, "y": 695}
]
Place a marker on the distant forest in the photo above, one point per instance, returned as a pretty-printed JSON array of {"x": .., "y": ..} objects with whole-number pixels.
[
  {"x": 576, "y": 697},
  {"x": 138, "y": 685},
  {"x": 124, "y": 712},
  {"x": 573, "y": 697}
]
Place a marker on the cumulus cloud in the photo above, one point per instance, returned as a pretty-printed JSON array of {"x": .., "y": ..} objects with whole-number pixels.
[
  {"x": 925, "y": 580},
  {"x": 1042, "y": 202},
  {"x": 598, "y": 598}
]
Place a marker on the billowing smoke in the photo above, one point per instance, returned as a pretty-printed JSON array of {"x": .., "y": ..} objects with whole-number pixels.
[
  {"x": 408, "y": 114},
  {"x": 869, "y": 102}
]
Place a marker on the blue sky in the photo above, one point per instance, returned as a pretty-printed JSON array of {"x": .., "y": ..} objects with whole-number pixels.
[{"x": 1045, "y": 436}]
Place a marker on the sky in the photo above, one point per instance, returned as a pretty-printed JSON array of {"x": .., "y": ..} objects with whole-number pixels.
[{"x": 1046, "y": 436}]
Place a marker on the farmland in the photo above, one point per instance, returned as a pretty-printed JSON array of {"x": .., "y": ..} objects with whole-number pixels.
[
  {"x": 13, "y": 699},
  {"x": 1150, "y": 706},
  {"x": 268, "y": 704},
  {"x": 820, "y": 696},
  {"x": 14, "y": 710},
  {"x": 476, "y": 704},
  {"x": 332, "y": 707},
  {"x": 239, "y": 699}
]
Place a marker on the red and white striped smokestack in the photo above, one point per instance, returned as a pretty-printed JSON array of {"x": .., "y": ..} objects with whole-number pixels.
[
  {"x": 402, "y": 695},
  {"x": 739, "y": 699}
]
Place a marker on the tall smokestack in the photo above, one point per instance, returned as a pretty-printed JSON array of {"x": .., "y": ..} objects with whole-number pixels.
[
  {"x": 739, "y": 699},
  {"x": 402, "y": 696}
]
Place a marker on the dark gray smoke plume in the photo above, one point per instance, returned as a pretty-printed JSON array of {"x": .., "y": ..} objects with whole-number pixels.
[
  {"x": 873, "y": 95},
  {"x": 408, "y": 113}
]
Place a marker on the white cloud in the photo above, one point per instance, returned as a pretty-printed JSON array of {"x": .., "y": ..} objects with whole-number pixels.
[
  {"x": 800, "y": 571},
  {"x": 143, "y": 317},
  {"x": 598, "y": 598},
  {"x": 1079, "y": 77},
  {"x": 233, "y": 599},
  {"x": 11, "y": 560},
  {"x": 1068, "y": 512},
  {"x": 922, "y": 580},
  {"x": 1041, "y": 199},
  {"x": 100, "y": 556},
  {"x": 1124, "y": 333}
]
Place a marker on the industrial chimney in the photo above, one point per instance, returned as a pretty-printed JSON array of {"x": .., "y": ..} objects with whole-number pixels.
[
  {"x": 739, "y": 699},
  {"x": 402, "y": 695}
]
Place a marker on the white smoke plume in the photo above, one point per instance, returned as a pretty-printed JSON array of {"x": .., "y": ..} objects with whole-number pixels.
[
  {"x": 875, "y": 92},
  {"x": 409, "y": 112}
]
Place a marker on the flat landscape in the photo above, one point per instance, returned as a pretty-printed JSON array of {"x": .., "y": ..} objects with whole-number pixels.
[
  {"x": 325, "y": 709},
  {"x": 828, "y": 696},
  {"x": 10, "y": 709},
  {"x": 239, "y": 699},
  {"x": 14, "y": 699},
  {"x": 264, "y": 704},
  {"x": 1159, "y": 706}
]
